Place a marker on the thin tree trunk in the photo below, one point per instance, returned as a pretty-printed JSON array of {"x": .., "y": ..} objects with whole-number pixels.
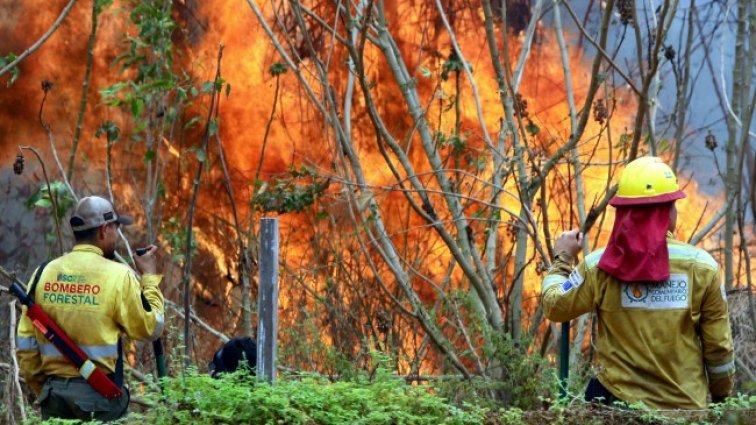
[
  {"x": 646, "y": 102},
  {"x": 12, "y": 340},
  {"x": 85, "y": 88},
  {"x": 187, "y": 273},
  {"x": 576, "y": 165},
  {"x": 732, "y": 185},
  {"x": 478, "y": 278},
  {"x": 682, "y": 83}
]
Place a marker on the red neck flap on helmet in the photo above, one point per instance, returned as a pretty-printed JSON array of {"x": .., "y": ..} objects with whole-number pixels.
[{"x": 637, "y": 248}]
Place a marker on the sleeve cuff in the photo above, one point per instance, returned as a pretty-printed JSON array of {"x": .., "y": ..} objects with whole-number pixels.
[{"x": 151, "y": 279}]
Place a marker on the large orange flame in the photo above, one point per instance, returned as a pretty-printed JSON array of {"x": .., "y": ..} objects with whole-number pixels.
[{"x": 316, "y": 251}]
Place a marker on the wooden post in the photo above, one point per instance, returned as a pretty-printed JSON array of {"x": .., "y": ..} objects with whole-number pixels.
[{"x": 267, "y": 300}]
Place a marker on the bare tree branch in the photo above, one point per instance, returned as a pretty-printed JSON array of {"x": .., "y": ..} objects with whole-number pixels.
[
  {"x": 12, "y": 340},
  {"x": 599, "y": 47},
  {"x": 42, "y": 39}
]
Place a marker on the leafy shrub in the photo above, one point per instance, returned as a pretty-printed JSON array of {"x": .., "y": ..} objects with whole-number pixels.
[
  {"x": 239, "y": 399},
  {"x": 313, "y": 400},
  {"x": 310, "y": 400},
  {"x": 289, "y": 194},
  {"x": 518, "y": 378}
]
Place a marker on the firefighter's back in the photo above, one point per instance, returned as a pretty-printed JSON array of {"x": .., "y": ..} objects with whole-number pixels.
[{"x": 650, "y": 348}]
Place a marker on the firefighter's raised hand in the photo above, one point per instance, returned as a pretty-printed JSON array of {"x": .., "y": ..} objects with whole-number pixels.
[
  {"x": 147, "y": 262},
  {"x": 570, "y": 242}
]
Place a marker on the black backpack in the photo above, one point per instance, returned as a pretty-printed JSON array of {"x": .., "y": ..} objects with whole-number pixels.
[{"x": 232, "y": 354}]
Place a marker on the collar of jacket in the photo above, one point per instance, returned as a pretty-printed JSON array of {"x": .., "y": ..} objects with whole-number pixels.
[{"x": 85, "y": 247}]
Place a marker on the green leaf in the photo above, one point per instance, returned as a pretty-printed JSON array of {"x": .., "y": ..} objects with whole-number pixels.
[
  {"x": 664, "y": 145},
  {"x": 439, "y": 137},
  {"x": 102, "y": 4},
  {"x": 43, "y": 203},
  {"x": 137, "y": 107},
  {"x": 149, "y": 155},
  {"x": 624, "y": 140},
  {"x": 287, "y": 195},
  {"x": 453, "y": 64},
  {"x": 532, "y": 128},
  {"x": 457, "y": 142},
  {"x": 425, "y": 72},
  {"x": 192, "y": 122},
  {"x": 212, "y": 128},
  {"x": 481, "y": 163},
  {"x": 228, "y": 90},
  {"x": 161, "y": 85},
  {"x": 15, "y": 72},
  {"x": 141, "y": 125},
  {"x": 181, "y": 94},
  {"x": 201, "y": 155},
  {"x": 277, "y": 69},
  {"x": 207, "y": 87},
  {"x": 111, "y": 131},
  {"x": 161, "y": 190},
  {"x": 41, "y": 198}
]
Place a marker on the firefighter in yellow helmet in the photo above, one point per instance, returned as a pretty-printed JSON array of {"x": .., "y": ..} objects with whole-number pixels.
[{"x": 663, "y": 328}]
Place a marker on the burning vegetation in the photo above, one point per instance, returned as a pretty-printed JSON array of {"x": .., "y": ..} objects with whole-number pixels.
[{"x": 419, "y": 155}]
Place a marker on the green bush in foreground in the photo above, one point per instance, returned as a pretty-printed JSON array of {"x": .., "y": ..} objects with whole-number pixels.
[
  {"x": 310, "y": 400},
  {"x": 236, "y": 399}
]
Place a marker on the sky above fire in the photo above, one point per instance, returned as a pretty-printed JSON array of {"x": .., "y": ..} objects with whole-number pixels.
[{"x": 710, "y": 75}]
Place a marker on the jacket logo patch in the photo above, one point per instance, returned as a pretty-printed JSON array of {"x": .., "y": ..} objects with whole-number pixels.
[
  {"x": 572, "y": 282},
  {"x": 576, "y": 278},
  {"x": 70, "y": 293},
  {"x": 672, "y": 294},
  {"x": 567, "y": 286}
]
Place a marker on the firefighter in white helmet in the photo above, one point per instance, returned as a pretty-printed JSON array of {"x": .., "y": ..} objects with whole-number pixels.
[{"x": 663, "y": 328}]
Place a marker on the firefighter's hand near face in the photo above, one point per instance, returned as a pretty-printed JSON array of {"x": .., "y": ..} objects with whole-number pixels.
[
  {"x": 569, "y": 243},
  {"x": 147, "y": 262}
]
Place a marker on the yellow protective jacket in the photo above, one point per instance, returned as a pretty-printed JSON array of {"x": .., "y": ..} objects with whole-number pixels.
[
  {"x": 662, "y": 344},
  {"x": 94, "y": 300}
]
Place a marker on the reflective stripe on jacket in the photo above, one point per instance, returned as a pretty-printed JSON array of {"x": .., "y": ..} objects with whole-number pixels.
[
  {"x": 93, "y": 300},
  {"x": 657, "y": 342}
]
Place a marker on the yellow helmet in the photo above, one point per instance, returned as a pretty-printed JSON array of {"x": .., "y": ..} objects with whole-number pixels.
[{"x": 647, "y": 180}]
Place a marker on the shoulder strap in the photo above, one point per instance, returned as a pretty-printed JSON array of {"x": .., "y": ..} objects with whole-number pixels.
[
  {"x": 118, "y": 376},
  {"x": 33, "y": 288}
]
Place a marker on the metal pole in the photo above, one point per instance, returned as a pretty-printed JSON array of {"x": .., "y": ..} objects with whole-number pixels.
[
  {"x": 267, "y": 300},
  {"x": 564, "y": 358}
]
